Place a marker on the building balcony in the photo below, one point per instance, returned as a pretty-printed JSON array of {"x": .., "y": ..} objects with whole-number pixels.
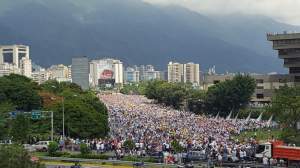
[
  {"x": 283, "y": 36},
  {"x": 285, "y": 46}
]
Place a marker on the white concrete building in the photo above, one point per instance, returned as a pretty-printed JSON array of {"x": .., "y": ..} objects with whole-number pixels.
[
  {"x": 191, "y": 73},
  {"x": 12, "y": 54},
  {"x": 118, "y": 67},
  {"x": 187, "y": 73},
  {"x": 175, "y": 72},
  {"x": 40, "y": 76},
  {"x": 7, "y": 69},
  {"x": 106, "y": 72},
  {"x": 60, "y": 72},
  {"x": 26, "y": 67},
  {"x": 132, "y": 75}
]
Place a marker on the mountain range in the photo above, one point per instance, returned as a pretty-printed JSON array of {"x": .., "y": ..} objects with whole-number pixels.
[{"x": 139, "y": 33}]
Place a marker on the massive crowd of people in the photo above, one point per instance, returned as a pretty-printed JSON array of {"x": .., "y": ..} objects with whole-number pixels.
[{"x": 153, "y": 127}]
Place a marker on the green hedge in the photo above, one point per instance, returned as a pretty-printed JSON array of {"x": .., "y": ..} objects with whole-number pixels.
[{"x": 90, "y": 156}]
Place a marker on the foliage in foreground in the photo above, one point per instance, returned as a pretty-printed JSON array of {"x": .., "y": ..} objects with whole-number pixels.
[
  {"x": 85, "y": 115},
  {"x": 285, "y": 106},
  {"x": 15, "y": 156}
]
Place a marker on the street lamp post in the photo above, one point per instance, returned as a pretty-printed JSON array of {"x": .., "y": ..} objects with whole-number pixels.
[
  {"x": 63, "y": 110},
  {"x": 63, "y": 113}
]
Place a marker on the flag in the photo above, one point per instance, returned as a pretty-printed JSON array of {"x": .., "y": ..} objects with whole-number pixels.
[
  {"x": 229, "y": 116},
  {"x": 259, "y": 117},
  {"x": 236, "y": 117},
  {"x": 249, "y": 116},
  {"x": 217, "y": 116},
  {"x": 270, "y": 121}
]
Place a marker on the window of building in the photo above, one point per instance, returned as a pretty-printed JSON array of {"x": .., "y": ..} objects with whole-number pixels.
[
  {"x": 8, "y": 57},
  {"x": 5, "y": 50},
  {"x": 216, "y": 81},
  {"x": 21, "y": 55},
  {"x": 282, "y": 80},
  {"x": 259, "y": 81},
  {"x": 297, "y": 78},
  {"x": 259, "y": 96},
  {"x": 259, "y": 87},
  {"x": 294, "y": 70}
]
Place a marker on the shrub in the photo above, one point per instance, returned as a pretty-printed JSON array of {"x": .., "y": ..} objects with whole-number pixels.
[
  {"x": 52, "y": 148},
  {"x": 84, "y": 149},
  {"x": 61, "y": 154},
  {"x": 90, "y": 156},
  {"x": 129, "y": 144}
]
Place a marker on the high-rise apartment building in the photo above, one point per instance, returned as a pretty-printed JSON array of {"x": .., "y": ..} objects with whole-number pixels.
[
  {"x": 132, "y": 75},
  {"x": 40, "y": 76},
  {"x": 6, "y": 69},
  {"x": 118, "y": 68},
  {"x": 60, "y": 72},
  {"x": 106, "y": 72},
  {"x": 80, "y": 72},
  {"x": 175, "y": 72},
  {"x": 26, "y": 67},
  {"x": 12, "y": 54},
  {"x": 147, "y": 72},
  {"x": 191, "y": 73},
  {"x": 15, "y": 59}
]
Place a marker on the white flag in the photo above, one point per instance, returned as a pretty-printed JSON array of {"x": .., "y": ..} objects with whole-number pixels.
[
  {"x": 249, "y": 116},
  {"x": 259, "y": 117},
  {"x": 270, "y": 121},
  {"x": 229, "y": 116},
  {"x": 217, "y": 116}
]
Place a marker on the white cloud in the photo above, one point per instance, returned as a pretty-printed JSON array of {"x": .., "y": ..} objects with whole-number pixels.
[{"x": 287, "y": 11}]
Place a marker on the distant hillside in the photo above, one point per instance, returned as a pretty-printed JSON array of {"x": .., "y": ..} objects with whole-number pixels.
[{"x": 138, "y": 33}]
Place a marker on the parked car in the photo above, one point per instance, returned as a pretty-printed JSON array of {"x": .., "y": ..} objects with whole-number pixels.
[{"x": 41, "y": 146}]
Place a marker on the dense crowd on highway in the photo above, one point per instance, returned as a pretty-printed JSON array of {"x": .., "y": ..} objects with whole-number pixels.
[{"x": 153, "y": 127}]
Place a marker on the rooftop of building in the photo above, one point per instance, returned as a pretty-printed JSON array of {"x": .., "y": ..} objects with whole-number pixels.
[
  {"x": 283, "y": 36},
  {"x": 14, "y": 45}
]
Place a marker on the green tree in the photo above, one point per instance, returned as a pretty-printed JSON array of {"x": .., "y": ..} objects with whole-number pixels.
[
  {"x": 15, "y": 156},
  {"x": 5, "y": 108},
  {"x": 20, "y": 129},
  {"x": 21, "y": 91},
  {"x": 229, "y": 95},
  {"x": 196, "y": 101},
  {"x": 285, "y": 106},
  {"x": 52, "y": 148}
]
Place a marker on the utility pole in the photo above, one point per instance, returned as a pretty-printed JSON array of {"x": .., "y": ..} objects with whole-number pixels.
[
  {"x": 52, "y": 130},
  {"x": 63, "y": 110}
]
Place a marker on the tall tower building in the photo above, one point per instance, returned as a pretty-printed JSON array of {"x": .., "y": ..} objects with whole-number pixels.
[
  {"x": 191, "y": 73},
  {"x": 12, "y": 54},
  {"x": 132, "y": 75},
  {"x": 106, "y": 72},
  {"x": 175, "y": 72},
  {"x": 26, "y": 67},
  {"x": 80, "y": 72},
  {"x": 288, "y": 47},
  {"x": 118, "y": 67}
]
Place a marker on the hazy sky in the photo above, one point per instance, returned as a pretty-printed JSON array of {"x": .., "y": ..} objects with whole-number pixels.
[{"x": 287, "y": 11}]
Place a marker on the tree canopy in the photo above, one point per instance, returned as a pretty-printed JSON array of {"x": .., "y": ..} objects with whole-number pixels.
[
  {"x": 230, "y": 95},
  {"x": 15, "y": 156},
  {"x": 221, "y": 98},
  {"x": 285, "y": 107},
  {"x": 85, "y": 115}
]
